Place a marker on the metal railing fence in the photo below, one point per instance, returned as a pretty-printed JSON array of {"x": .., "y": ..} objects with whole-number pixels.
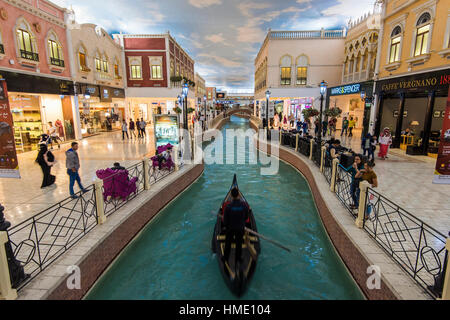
[
  {"x": 343, "y": 189},
  {"x": 40, "y": 240},
  {"x": 418, "y": 248}
]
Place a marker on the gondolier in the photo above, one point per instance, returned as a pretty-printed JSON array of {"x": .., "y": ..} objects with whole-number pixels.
[
  {"x": 234, "y": 219},
  {"x": 235, "y": 223}
]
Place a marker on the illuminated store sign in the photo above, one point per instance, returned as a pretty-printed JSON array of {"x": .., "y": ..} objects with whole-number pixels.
[{"x": 350, "y": 89}]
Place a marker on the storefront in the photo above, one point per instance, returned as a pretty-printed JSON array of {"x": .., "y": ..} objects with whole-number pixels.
[
  {"x": 147, "y": 107},
  {"x": 417, "y": 103},
  {"x": 102, "y": 108},
  {"x": 292, "y": 107},
  {"x": 36, "y": 101},
  {"x": 355, "y": 101}
]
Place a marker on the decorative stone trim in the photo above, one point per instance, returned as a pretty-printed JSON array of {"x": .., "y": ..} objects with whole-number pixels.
[
  {"x": 444, "y": 53},
  {"x": 392, "y": 66},
  {"x": 419, "y": 59}
]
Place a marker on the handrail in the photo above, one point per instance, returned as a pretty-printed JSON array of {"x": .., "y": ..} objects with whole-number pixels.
[{"x": 38, "y": 241}]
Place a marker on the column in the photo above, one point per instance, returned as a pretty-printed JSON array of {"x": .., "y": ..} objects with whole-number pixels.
[
  {"x": 369, "y": 58},
  {"x": 377, "y": 121},
  {"x": 427, "y": 122},
  {"x": 398, "y": 129}
]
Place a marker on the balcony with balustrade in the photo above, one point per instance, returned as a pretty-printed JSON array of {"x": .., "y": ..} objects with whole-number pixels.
[{"x": 29, "y": 55}]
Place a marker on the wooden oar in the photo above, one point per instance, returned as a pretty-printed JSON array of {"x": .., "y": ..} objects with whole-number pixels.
[
  {"x": 267, "y": 239},
  {"x": 262, "y": 237}
]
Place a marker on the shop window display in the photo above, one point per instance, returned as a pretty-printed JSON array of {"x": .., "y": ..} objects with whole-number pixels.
[{"x": 27, "y": 121}]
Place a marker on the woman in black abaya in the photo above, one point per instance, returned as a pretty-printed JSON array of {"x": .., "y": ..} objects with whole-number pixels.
[{"x": 46, "y": 160}]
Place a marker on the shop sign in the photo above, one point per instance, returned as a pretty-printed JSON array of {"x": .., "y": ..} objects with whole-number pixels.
[
  {"x": 9, "y": 166},
  {"x": 166, "y": 130},
  {"x": 442, "y": 172},
  {"x": 349, "y": 89},
  {"x": 430, "y": 81},
  {"x": 105, "y": 95},
  {"x": 118, "y": 93}
]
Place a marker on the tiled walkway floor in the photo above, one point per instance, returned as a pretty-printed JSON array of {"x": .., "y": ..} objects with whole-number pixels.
[
  {"x": 407, "y": 181},
  {"x": 23, "y": 198}
]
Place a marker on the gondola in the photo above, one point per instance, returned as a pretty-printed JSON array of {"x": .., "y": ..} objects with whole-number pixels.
[{"x": 237, "y": 277}]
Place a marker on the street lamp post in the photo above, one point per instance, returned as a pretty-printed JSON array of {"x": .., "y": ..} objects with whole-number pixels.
[
  {"x": 267, "y": 108},
  {"x": 323, "y": 91},
  {"x": 185, "y": 95},
  {"x": 204, "y": 103}
]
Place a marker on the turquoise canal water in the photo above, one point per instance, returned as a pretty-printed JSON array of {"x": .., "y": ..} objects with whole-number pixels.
[{"x": 172, "y": 258}]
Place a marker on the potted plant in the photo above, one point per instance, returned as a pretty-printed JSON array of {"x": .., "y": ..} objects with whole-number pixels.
[
  {"x": 190, "y": 110},
  {"x": 178, "y": 110},
  {"x": 309, "y": 113},
  {"x": 333, "y": 112}
]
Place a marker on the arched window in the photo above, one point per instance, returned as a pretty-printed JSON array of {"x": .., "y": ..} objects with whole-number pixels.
[
  {"x": 172, "y": 69},
  {"x": 2, "y": 48},
  {"x": 55, "y": 51},
  {"x": 422, "y": 36},
  {"x": 26, "y": 41},
  {"x": 98, "y": 62},
  {"x": 302, "y": 70},
  {"x": 82, "y": 59},
  {"x": 365, "y": 62},
  {"x": 394, "y": 54},
  {"x": 116, "y": 69},
  {"x": 286, "y": 63},
  {"x": 352, "y": 63},
  {"x": 105, "y": 64},
  {"x": 135, "y": 68},
  {"x": 156, "y": 67},
  {"x": 358, "y": 63}
]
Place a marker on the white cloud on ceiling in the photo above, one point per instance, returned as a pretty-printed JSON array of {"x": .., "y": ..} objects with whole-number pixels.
[
  {"x": 204, "y": 3},
  {"x": 216, "y": 38}
]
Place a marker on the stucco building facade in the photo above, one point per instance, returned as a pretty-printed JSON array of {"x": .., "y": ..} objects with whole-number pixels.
[
  {"x": 412, "y": 84},
  {"x": 291, "y": 65},
  {"x": 34, "y": 61},
  {"x": 155, "y": 66}
]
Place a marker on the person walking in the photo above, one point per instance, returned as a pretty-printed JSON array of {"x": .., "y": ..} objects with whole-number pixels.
[
  {"x": 124, "y": 129},
  {"x": 46, "y": 160},
  {"x": 385, "y": 141},
  {"x": 142, "y": 125},
  {"x": 324, "y": 128},
  {"x": 132, "y": 129},
  {"x": 367, "y": 144},
  {"x": 344, "y": 127},
  {"x": 351, "y": 126},
  {"x": 53, "y": 133},
  {"x": 73, "y": 166},
  {"x": 316, "y": 127}
]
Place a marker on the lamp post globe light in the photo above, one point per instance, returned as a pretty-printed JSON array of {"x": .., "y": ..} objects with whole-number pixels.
[{"x": 323, "y": 90}]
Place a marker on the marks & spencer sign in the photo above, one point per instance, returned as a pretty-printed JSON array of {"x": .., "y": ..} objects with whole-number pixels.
[{"x": 350, "y": 89}]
